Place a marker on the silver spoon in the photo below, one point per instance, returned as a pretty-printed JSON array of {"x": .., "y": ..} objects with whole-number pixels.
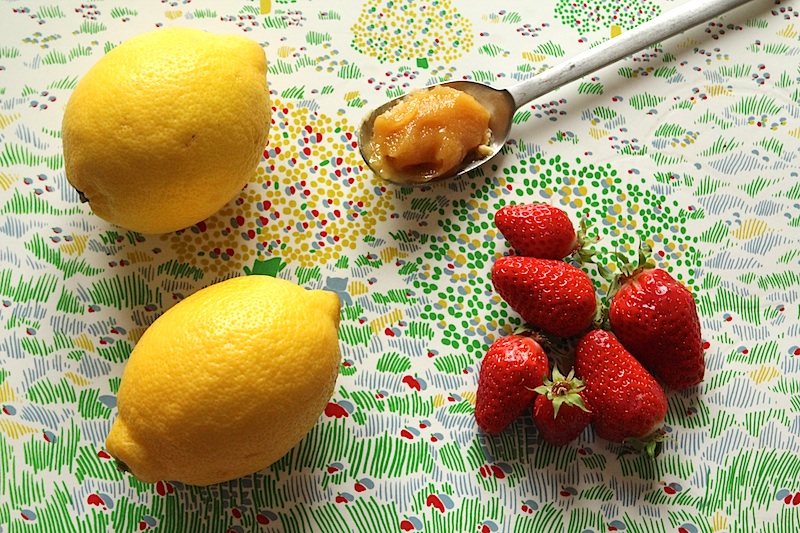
[{"x": 502, "y": 103}]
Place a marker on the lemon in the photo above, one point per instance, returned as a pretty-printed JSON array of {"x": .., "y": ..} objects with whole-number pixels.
[
  {"x": 167, "y": 127},
  {"x": 227, "y": 381}
]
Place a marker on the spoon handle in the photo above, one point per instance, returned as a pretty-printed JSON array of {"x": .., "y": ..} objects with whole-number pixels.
[{"x": 671, "y": 23}]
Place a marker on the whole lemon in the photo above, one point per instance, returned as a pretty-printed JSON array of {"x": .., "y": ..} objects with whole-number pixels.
[
  {"x": 227, "y": 381},
  {"x": 167, "y": 127}
]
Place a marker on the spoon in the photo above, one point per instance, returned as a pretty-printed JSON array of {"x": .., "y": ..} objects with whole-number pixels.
[{"x": 503, "y": 103}]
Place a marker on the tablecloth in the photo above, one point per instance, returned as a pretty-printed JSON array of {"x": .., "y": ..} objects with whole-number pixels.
[{"x": 690, "y": 145}]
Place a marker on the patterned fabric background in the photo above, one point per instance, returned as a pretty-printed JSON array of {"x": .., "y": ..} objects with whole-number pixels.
[{"x": 692, "y": 143}]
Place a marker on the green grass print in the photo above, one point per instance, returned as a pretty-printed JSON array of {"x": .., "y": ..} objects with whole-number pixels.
[
  {"x": 15, "y": 154},
  {"x": 9, "y": 52},
  {"x": 758, "y": 354},
  {"x": 91, "y": 27},
  {"x": 669, "y": 130},
  {"x": 641, "y": 101},
  {"x": 27, "y": 489},
  {"x": 598, "y": 492},
  {"x": 329, "y": 15},
  {"x": 64, "y": 83},
  {"x": 205, "y": 14},
  {"x": 755, "y": 186},
  {"x": 88, "y": 465},
  {"x": 68, "y": 267},
  {"x": 709, "y": 185},
  {"x": 483, "y": 76},
  {"x": 548, "y": 518},
  {"x": 769, "y": 48},
  {"x": 741, "y": 70},
  {"x": 756, "y": 105},
  {"x": 467, "y": 516},
  {"x": 394, "y": 296},
  {"x": 177, "y": 270},
  {"x": 750, "y": 477},
  {"x": 712, "y": 118},
  {"x": 716, "y": 234},
  {"x": 453, "y": 363},
  {"x": 276, "y": 22},
  {"x": 56, "y": 456},
  {"x": 402, "y": 405},
  {"x": 33, "y": 205},
  {"x": 779, "y": 280},
  {"x": 581, "y": 519},
  {"x": 119, "y": 12},
  {"x": 384, "y": 456},
  {"x": 54, "y": 57},
  {"x": 352, "y": 312},
  {"x": 90, "y": 407},
  {"x": 590, "y": 88},
  {"x": 307, "y": 274},
  {"x": 294, "y": 92},
  {"x": 116, "y": 353},
  {"x": 754, "y": 421},
  {"x": 316, "y": 38},
  {"x": 665, "y": 72},
  {"x": 491, "y": 50},
  {"x": 772, "y": 145},
  {"x": 667, "y": 465},
  {"x": 124, "y": 292},
  {"x": 604, "y": 113},
  {"x": 550, "y": 49},
  {"x": 38, "y": 347},
  {"x": 79, "y": 51},
  {"x": 355, "y": 335},
  {"x": 420, "y": 330},
  {"x": 21, "y": 289},
  {"x": 451, "y": 457},
  {"x": 720, "y": 146},
  {"x": 723, "y": 300},
  {"x": 44, "y": 392},
  {"x": 687, "y": 413},
  {"x": 394, "y": 363},
  {"x": 50, "y": 12}
]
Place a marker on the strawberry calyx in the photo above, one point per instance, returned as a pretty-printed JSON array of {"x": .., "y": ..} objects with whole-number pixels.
[
  {"x": 650, "y": 446},
  {"x": 525, "y": 330},
  {"x": 563, "y": 390},
  {"x": 583, "y": 252},
  {"x": 628, "y": 271}
]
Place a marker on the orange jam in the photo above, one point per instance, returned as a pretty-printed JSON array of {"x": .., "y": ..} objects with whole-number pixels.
[{"x": 429, "y": 134}]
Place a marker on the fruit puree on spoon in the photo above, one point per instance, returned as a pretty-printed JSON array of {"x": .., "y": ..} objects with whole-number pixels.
[{"x": 429, "y": 133}]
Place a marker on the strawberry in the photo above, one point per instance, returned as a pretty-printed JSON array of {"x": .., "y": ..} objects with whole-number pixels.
[
  {"x": 627, "y": 402},
  {"x": 560, "y": 412},
  {"x": 512, "y": 368},
  {"x": 655, "y": 318},
  {"x": 537, "y": 230},
  {"x": 551, "y": 295}
]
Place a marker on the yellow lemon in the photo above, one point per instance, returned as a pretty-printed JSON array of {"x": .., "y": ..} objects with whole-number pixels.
[
  {"x": 167, "y": 127},
  {"x": 227, "y": 381}
]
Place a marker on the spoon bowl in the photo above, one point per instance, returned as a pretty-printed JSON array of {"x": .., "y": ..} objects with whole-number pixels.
[
  {"x": 498, "y": 102},
  {"x": 503, "y": 103}
]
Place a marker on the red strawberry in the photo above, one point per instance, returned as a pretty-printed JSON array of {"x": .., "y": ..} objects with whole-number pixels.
[
  {"x": 655, "y": 318},
  {"x": 551, "y": 295},
  {"x": 627, "y": 402},
  {"x": 560, "y": 412},
  {"x": 512, "y": 367},
  {"x": 537, "y": 230}
]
